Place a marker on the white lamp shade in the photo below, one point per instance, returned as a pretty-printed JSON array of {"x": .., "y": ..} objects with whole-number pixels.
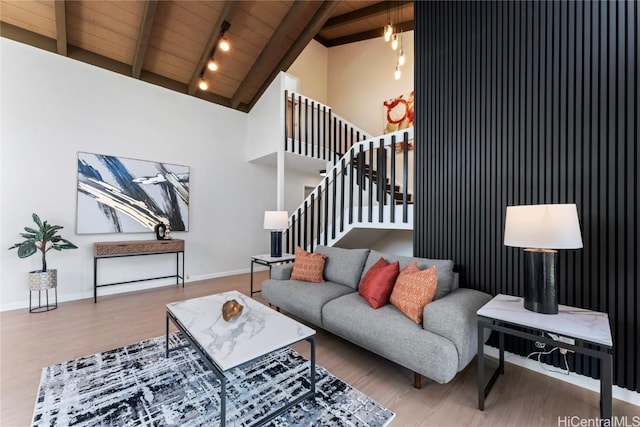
[
  {"x": 543, "y": 227},
  {"x": 276, "y": 220}
]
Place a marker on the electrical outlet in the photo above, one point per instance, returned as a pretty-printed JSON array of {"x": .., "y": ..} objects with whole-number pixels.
[{"x": 565, "y": 340}]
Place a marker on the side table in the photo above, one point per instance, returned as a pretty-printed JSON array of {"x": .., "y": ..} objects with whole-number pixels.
[
  {"x": 576, "y": 329},
  {"x": 268, "y": 261}
]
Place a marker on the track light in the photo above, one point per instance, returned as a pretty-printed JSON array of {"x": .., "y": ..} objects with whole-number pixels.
[
  {"x": 212, "y": 65},
  {"x": 224, "y": 44},
  {"x": 203, "y": 85}
]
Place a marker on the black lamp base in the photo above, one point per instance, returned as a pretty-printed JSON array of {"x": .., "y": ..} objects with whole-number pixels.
[
  {"x": 276, "y": 244},
  {"x": 540, "y": 291}
]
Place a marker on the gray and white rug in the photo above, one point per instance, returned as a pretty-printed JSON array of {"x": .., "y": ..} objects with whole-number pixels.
[{"x": 137, "y": 386}]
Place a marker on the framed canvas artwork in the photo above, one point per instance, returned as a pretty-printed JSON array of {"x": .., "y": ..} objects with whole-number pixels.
[
  {"x": 399, "y": 115},
  {"x": 123, "y": 195}
]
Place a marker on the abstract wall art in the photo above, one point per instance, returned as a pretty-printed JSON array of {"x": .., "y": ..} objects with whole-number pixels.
[
  {"x": 398, "y": 113},
  {"x": 122, "y": 195}
]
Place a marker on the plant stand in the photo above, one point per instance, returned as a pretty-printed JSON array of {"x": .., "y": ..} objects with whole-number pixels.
[{"x": 40, "y": 281}]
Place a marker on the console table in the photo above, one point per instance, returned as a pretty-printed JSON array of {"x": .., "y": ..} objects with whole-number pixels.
[
  {"x": 136, "y": 248},
  {"x": 576, "y": 329}
]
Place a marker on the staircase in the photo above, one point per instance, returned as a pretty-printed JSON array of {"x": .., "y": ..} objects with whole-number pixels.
[{"x": 366, "y": 187}]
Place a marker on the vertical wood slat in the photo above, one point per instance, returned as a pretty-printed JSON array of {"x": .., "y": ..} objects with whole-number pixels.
[{"x": 524, "y": 103}]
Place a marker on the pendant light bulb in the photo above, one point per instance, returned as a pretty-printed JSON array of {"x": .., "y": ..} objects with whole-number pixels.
[
  {"x": 203, "y": 84},
  {"x": 394, "y": 42},
  {"x": 401, "y": 58},
  {"x": 388, "y": 30},
  {"x": 212, "y": 65},
  {"x": 224, "y": 45},
  {"x": 397, "y": 73}
]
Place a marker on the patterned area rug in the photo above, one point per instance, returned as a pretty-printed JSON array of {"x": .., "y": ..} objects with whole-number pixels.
[{"x": 137, "y": 386}]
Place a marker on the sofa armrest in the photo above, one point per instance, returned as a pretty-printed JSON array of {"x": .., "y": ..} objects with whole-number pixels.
[
  {"x": 454, "y": 317},
  {"x": 281, "y": 272}
]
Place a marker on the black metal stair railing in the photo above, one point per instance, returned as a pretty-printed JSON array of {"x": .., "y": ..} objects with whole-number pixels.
[
  {"x": 312, "y": 129},
  {"x": 368, "y": 184}
]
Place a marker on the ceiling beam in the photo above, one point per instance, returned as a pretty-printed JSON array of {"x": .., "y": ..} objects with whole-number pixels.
[
  {"x": 311, "y": 29},
  {"x": 143, "y": 37},
  {"x": 259, "y": 66},
  {"x": 27, "y": 37},
  {"x": 365, "y": 35},
  {"x": 61, "y": 26},
  {"x": 365, "y": 12},
  {"x": 228, "y": 10}
]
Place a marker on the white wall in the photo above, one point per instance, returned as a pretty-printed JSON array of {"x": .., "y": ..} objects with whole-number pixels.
[
  {"x": 53, "y": 107},
  {"x": 361, "y": 79},
  {"x": 311, "y": 69}
]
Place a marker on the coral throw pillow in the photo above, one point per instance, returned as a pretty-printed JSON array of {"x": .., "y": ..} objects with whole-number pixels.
[
  {"x": 308, "y": 266},
  {"x": 414, "y": 289},
  {"x": 377, "y": 284}
]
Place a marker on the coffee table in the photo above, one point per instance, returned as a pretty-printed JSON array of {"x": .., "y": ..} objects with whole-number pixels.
[{"x": 224, "y": 345}]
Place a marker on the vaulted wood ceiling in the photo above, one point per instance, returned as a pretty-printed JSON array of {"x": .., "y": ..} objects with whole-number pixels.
[{"x": 169, "y": 43}]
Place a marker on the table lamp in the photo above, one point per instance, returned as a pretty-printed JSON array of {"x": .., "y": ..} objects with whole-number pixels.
[
  {"x": 541, "y": 229},
  {"x": 276, "y": 221}
]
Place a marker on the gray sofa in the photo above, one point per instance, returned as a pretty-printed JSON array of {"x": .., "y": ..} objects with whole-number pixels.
[{"x": 439, "y": 348}]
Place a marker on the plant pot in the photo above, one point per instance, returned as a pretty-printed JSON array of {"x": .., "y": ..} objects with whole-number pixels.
[{"x": 42, "y": 280}]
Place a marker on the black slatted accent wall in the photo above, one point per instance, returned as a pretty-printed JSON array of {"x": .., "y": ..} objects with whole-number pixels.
[{"x": 526, "y": 103}]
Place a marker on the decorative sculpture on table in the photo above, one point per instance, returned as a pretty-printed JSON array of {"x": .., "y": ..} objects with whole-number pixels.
[{"x": 231, "y": 309}]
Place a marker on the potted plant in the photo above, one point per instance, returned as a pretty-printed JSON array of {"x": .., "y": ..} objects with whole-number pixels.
[{"x": 42, "y": 239}]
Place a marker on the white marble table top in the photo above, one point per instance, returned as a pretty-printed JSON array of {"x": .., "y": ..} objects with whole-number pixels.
[
  {"x": 259, "y": 330},
  {"x": 587, "y": 325},
  {"x": 272, "y": 260}
]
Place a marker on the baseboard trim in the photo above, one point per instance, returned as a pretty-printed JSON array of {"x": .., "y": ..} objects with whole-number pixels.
[
  {"x": 588, "y": 383},
  {"x": 120, "y": 289}
]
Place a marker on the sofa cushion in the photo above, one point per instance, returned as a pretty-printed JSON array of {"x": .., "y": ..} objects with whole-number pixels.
[
  {"x": 444, "y": 268},
  {"x": 377, "y": 283},
  {"x": 344, "y": 266},
  {"x": 392, "y": 335},
  {"x": 413, "y": 290},
  {"x": 308, "y": 266},
  {"x": 302, "y": 299}
]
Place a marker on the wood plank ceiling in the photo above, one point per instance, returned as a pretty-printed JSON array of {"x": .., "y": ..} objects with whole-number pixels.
[{"x": 170, "y": 42}]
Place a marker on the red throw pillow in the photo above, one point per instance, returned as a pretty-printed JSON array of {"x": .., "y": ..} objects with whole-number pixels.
[
  {"x": 377, "y": 284},
  {"x": 308, "y": 266},
  {"x": 413, "y": 290}
]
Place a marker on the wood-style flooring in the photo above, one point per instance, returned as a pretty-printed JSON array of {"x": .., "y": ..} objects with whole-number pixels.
[{"x": 30, "y": 342}]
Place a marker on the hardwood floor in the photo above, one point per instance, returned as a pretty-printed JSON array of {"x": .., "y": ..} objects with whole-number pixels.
[{"x": 30, "y": 342}]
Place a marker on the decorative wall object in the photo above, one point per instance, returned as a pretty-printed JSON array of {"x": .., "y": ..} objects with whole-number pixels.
[
  {"x": 398, "y": 112},
  {"x": 122, "y": 195},
  {"x": 399, "y": 115}
]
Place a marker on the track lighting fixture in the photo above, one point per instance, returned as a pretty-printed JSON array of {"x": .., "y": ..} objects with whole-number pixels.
[
  {"x": 212, "y": 65},
  {"x": 224, "y": 44},
  {"x": 203, "y": 85}
]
